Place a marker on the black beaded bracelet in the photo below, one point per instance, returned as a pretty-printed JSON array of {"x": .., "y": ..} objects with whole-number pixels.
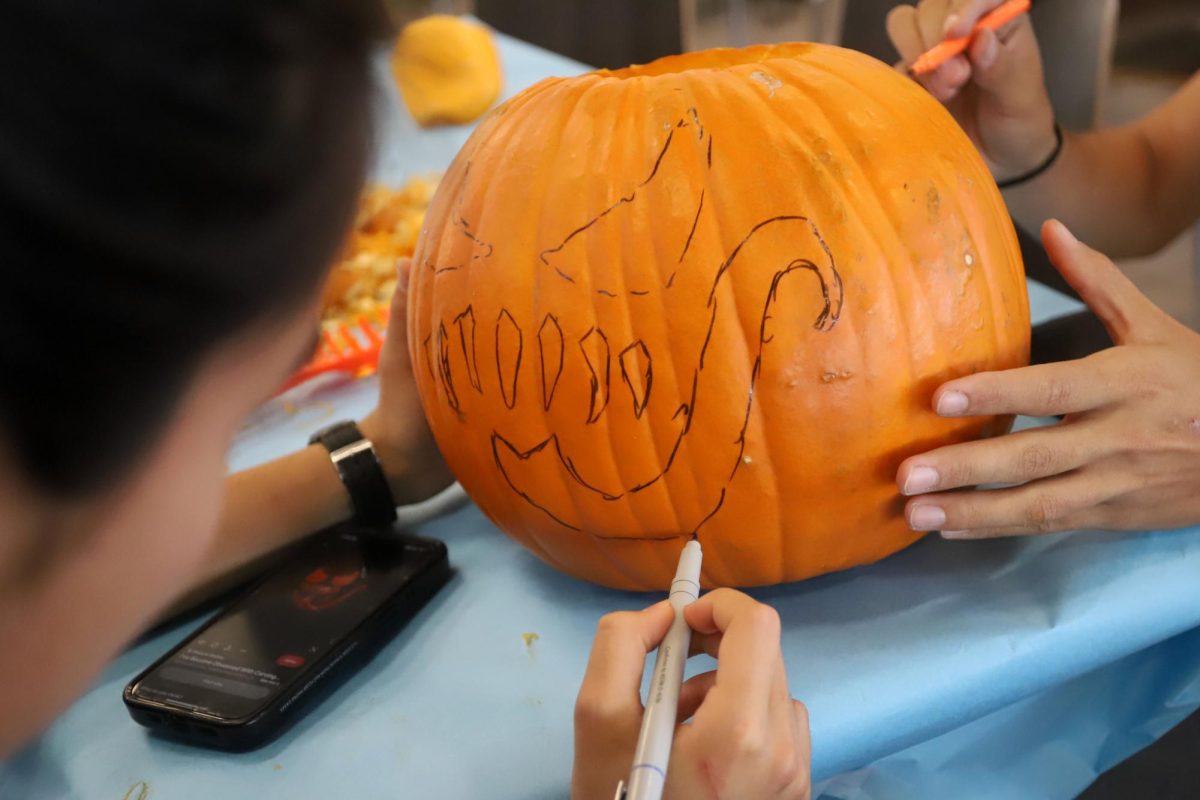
[{"x": 1040, "y": 168}]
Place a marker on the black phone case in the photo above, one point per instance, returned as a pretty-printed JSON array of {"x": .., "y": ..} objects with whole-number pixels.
[{"x": 359, "y": 646}]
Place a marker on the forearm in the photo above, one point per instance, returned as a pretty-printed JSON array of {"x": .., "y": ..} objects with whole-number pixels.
[
  {"x": 274, "y": 505},
  {"x": 277, "y": 504},
  {"x": 267, "y": 508},
  {"x": 1126, "y": 191},
  {"x": 1100, "y": 187}
]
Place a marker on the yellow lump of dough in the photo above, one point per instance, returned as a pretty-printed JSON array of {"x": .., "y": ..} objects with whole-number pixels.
[{"x": 447, "y": 69}]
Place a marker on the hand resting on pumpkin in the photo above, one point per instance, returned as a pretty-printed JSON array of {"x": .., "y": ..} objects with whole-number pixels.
[
  {"x": 397, "y": 426},
  {"x": 747, "y": 739},
  {"x": 1126, "y": 455}
]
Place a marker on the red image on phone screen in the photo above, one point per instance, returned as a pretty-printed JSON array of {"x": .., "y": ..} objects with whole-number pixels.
[{"x": 329, "y": 586}]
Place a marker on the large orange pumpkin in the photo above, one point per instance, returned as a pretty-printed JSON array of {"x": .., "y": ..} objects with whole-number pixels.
[{"x": 710, "y": 295}]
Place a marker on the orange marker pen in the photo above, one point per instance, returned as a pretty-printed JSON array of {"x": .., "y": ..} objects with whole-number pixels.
[{"x": 942, "y": 52}]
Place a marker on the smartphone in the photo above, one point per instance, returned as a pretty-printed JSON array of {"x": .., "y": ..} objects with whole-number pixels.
[{"x": 251, "y": 671}]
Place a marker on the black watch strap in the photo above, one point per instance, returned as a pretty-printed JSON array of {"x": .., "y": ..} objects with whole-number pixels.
[{"x": 354, "y": 458}]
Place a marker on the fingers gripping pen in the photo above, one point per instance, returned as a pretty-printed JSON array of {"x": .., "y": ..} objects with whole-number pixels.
[
  {"x": 944, "y": 51},
  {"x": 649, "y": 772}
]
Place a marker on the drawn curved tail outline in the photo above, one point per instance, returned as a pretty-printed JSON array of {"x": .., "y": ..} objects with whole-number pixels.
[{"x": 525, "y": 468}]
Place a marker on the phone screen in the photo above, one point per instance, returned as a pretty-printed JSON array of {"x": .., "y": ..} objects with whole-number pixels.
[{"x": 276, "y": 635}]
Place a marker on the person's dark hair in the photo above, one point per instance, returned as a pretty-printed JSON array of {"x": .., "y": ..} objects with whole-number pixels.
[{"x": 171, "y": 171}]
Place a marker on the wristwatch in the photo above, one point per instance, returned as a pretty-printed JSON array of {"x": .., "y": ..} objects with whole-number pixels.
[{"x": 354, "y": 458}]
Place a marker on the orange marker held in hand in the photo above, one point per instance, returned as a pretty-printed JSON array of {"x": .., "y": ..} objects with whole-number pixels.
[{"x": 940, "y": 53}]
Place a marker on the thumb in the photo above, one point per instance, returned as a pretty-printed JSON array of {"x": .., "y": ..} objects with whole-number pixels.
[
  {"x": 396, "y": 343},
  {"x": 1128, "y": 314},
  {"x": 398, "y": 312},
  {"x": 403, "y": 272}
]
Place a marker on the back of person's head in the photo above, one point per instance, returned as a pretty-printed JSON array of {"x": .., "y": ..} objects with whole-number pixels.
[{"x": 171, "y": 172}]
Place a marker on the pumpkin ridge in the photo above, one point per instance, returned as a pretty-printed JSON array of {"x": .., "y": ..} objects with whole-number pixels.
[
  {"x": 715, "y": 560},
  {"x": 607, "y": 240},
  {"x": 677, "y": 496},
  {"x": 753, "y": 55},
  {"x": 610, "y": 445},
  {"x": 939, "y": 115},
  {"x": 518, "y": 101},
  {"x": 685, "y": 121},
  {"x": 514, "y": 127},
  {"x": 766, "y": 104},
  {"x": 721, "y": 236},
  {"x": 501, "y": 133},
  {"x": 571, "y": 490},
  {"x": 605, "y": 246},
  {"x": 883, "y": 210},
  {"x": 629, "y": 483},
  {"x": 668, "y": 364}
]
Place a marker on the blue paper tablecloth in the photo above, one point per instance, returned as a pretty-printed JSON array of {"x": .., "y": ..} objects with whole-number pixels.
[{"x": 1003, "y": 669}]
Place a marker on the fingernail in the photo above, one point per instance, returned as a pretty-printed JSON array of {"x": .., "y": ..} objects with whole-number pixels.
[
  {"x": 920, "y": 479},
  {"x": 958, "y": 71},
  {"x": 957, "y": 535},
  {"x": 951, "y": 24},
  {"x": 951, "y": 403},
  {"x": 926, "y": 518},
  {"x": 990, "y": 51}
]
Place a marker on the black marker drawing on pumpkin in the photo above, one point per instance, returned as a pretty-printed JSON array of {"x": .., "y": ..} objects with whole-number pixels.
[
  {"x": 789, "y": 232},
  {"x": 481, "y": 249}
]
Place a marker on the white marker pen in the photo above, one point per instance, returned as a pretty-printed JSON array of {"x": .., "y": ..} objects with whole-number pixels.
[{"x": 649, "y": 771}]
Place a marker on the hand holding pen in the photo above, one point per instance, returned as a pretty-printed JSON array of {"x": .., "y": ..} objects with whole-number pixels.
[
  {"x": 993, "y": 86},
  {"x": 963, "y": 33},
  {"x": 747, "y": 738}
]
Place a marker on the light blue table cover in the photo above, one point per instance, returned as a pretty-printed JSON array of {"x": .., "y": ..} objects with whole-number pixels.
[{"x": 1003, "y": 669}]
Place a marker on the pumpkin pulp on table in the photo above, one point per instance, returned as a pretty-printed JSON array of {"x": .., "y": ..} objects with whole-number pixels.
[{"x": 712, "y": 295}]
